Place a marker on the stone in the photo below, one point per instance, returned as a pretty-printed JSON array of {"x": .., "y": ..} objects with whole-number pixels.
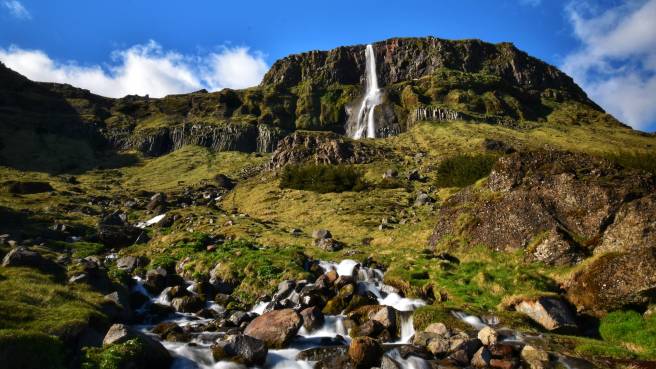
[
  {"x": 321, "y": 234},
  {"x": 423, "y": 199},
  {"x": 387, "y": 317},
  {"x": 156, "y": 280},
  {"x": 170, "y": 331},
  {"x": 275, "y": 328},
  {"x": 130, "y": 263},
  {"x": 534, "y": 357},
  {"x": 187, "y": 304},
  {"x": 504, "y": 363},
  {"x": 437, "y": 328},
  {"x": 389, "y": 363},
  {"x": 328, "y": 244},
  {"x": 413, "y": 175},
  {"x": 633, "y": 228},
  {"x": 481, "y": 358},
  {"x": 313, "y": 318},
  {"x": 155, "y": 354},
  {"x": 157, "y": 202},
  {"x": 551, "y": 313},
  {"x": 614, "y": 281},
  {"x": 114, "y": 231},
  {"x": 22, "y": 257},
  {"x": 488, "y": 336},
  {"x": 365, "y": 352},
  {"x": 242, "y": 349}
]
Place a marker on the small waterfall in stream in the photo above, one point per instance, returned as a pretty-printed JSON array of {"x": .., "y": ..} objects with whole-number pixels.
[
  {"x": 196, "y": 354},
  {"x": 365, "y": 125}
]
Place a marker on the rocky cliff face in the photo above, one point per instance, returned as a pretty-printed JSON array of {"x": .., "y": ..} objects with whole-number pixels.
[{"x": 421, "y": 78}]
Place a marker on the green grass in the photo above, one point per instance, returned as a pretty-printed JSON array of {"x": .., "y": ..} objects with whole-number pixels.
[
  {"x": 635, "y": 160},
  {"x": 23, "y": 349},
  {"x": 30, "y": 300},
  {"x": 322, "y": 178},
  {"x": 116, "y": 356},
  {"x": 464, "y": 170},
  {"x": 80, "y": 249}
]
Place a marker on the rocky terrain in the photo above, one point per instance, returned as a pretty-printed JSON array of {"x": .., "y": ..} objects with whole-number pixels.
[{"x": 503, "y": 220}]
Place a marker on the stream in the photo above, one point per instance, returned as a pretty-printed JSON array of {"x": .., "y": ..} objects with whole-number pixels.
[{"x": 197, "y": 353}]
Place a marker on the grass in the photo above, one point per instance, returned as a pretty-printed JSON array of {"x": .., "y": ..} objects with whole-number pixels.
[
  {"x": 33, "y": 301},
  {"x": 322, "y": 178},
  {"x": 463, "y": 170},
  {"x": 22, "y": 349},
  {"x": 115, "y": 356}
]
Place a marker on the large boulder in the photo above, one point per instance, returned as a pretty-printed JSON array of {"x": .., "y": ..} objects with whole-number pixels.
[
  {"x": 634, "y": 227},
  {"x": 241, "y": 349},
  {"x": 555, "y": 205},
  {"x": 551, "y": 313},
  {"x": 276, "y": 328},
  {"x": 154, "y": 354},
  {"x": 614, "y": 281},
  {"x": 365, "y": 352}
]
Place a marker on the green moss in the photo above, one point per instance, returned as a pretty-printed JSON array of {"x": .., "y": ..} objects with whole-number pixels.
[
  {"x": 426, "y": 315},
  {"x": 116, "y": 356},
  {"x": 24, "y": 349},
  {"x": 322, "y": 178}
]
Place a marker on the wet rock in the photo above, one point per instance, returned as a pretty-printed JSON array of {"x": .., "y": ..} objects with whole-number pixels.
[
  {"x": 170, "y": 331},
  {"x": 22, "y": 257},
  {"x": 27, "y": 187},
  {"x": 187, "y": 304},
  {"x": 387, "y": 317},
  {"x": 411, "y": 350},
  {"x": 551, "y": 313},
  {"x": 154, "y": 354},
  {"x": 370, "y": 328},
  {"x": 464, "y": 352},
  {"x": 322, "y": 353},
  {"x": 117, "y": 306},
  {"x": 488, "y": 336},
  {"x": 242, "y": 349},
  {"x": 156, "y": 280},
  {"x": 365, "y": 352},
  {"x": 614, "y": 281},
  {"x": 437, "y": 328},
  {"x": 504, "y": 363},
  {"x": 239, "y": 317},
  {"x": 534, "y": 357},
  {"x": 312, "y": 318},
  {"x": 340, "y": 302},
  {"x": 275, "y": 328},
  {"x": 389, "y": 363},
  {"x": 481, "y": 358}
]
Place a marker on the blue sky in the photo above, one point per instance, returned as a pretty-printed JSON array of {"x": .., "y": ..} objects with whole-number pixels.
[{"x": 159, "y": 47}]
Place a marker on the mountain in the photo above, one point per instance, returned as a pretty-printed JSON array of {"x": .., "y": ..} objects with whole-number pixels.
[{"x": 500, "y": 218}]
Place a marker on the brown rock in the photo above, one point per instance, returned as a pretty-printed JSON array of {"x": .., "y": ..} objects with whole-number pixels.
[
  {"x": 276, "y": 328},
  {"x": 551, "y": 313},
  {"x": 365, "y": 352}
]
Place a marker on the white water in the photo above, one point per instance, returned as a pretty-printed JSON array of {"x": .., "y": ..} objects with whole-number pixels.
[
  {"x": 151, "y": 221},
  {"x": 197, "y": 353},
  {"x": 366, "y": 123}
]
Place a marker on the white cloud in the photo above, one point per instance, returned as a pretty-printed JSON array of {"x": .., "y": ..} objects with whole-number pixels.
[
  {"x": 616, "y": 63},
  {"x": 145, "y": 70},
  {"x": 16, "y": 9}
]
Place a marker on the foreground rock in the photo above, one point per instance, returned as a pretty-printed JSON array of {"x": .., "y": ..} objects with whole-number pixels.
[
  {"x": 115, "y": 231},
  {"x": 153, "y": 354},
  {"x": 365, "y": 352},
  {"x": 614, "y": 281},
  {"x": 22, "y": 257},
  {"x": 551, "y": 313},
  {"x": 275, "y": 328},
  {"x": 241, "y": 349}
]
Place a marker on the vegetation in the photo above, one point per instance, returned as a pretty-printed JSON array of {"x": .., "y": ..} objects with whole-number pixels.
[
  {"x": 624, "y": 334},
  {"x": 115, "y": 356},
  {"x": 463, "y": 170},
  {"x": 20, "y": 349},
  {"x": 322, "y": 178}
]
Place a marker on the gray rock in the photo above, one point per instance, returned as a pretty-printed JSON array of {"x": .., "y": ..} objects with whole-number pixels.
[
  {"x": 242, "y": 349},
  {"x": 154, "y": 354},
  {"x": 321, "y": 234},
  {"x": 551, "y": 313},
  {"x": 22, "y": 257}
]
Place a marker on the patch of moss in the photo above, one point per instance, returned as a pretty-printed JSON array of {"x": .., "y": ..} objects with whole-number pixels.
[{"x": 116, "y": 356}]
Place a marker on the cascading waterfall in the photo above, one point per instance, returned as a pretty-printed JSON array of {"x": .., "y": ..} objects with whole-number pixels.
[{"x": 366, "y": 123}]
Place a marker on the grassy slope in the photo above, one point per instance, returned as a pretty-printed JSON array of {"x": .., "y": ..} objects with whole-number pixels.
[{"x": 265, "y": 213}]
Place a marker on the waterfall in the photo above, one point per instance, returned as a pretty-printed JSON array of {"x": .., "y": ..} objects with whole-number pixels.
[{"x": 366, "y": 123}]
